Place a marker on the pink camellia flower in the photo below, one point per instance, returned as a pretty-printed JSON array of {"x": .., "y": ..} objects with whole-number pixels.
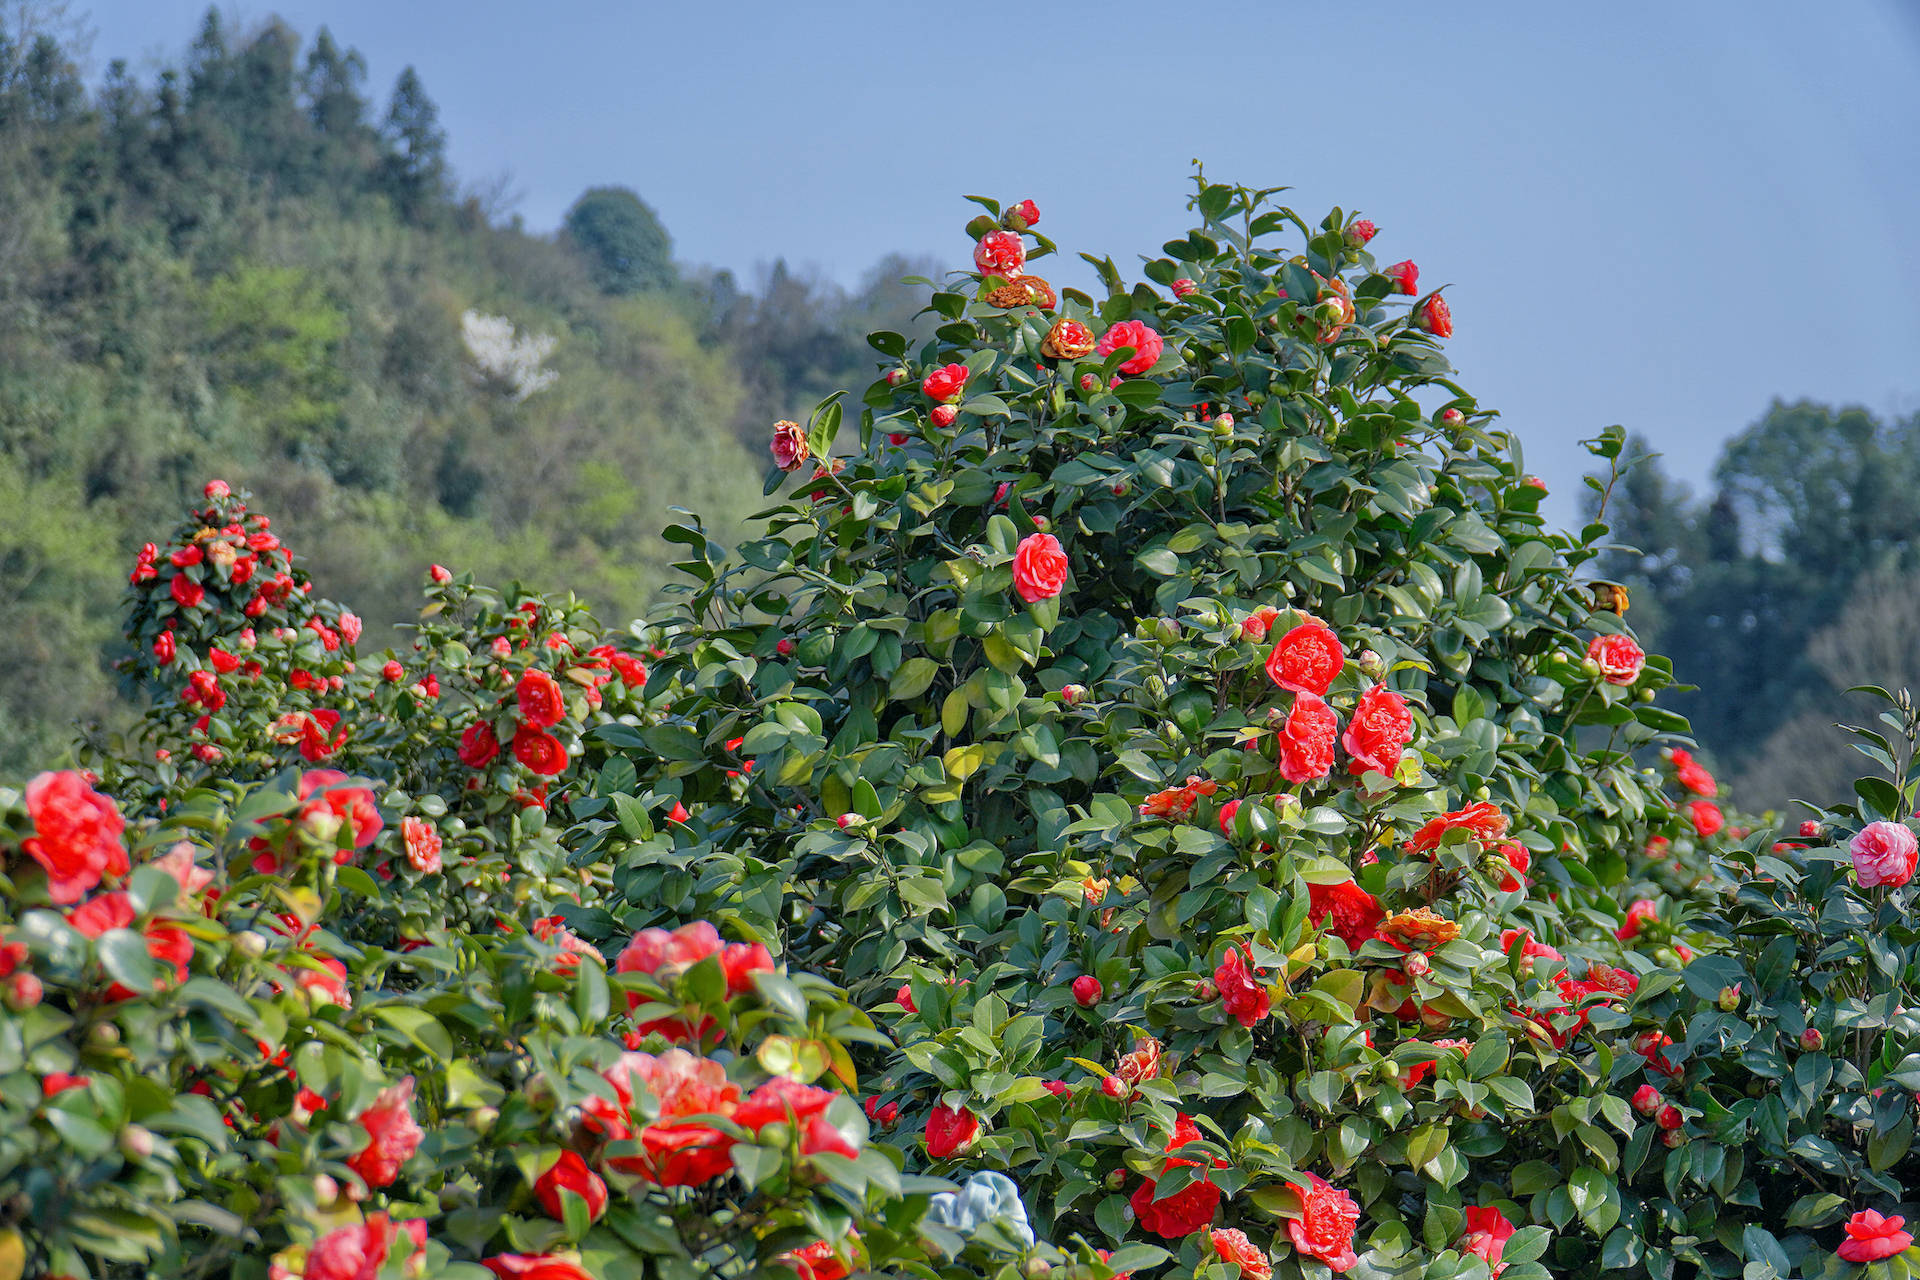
[
  {"x": 1184, "y": 287},
  {"x": 358, "y": 1251},
  {"x": 422, "y": 841},
  {"x": 1883, "y": 853},
  {"x": 217, "y": 489},
  {"x": 1405, "y": 277},
  {"x": 1000, "y": 253},
  {"x": 1486, "y": 1236},
  {"x": 1039, "y": 567},
  {"x": 1325, "y": 1227},
  {"x": 1146, "y": 345},
  {"x": 1618, "y": 658},
  {"x": 789, "y": 445},
  {"x": 392, "y": 1135},
  {"x": 1435, "y": 317},
  {"x": 1871, "y": 1237},
  {"x": 951, "y": 1131},
  {"x": 1233, "y": 1246}
]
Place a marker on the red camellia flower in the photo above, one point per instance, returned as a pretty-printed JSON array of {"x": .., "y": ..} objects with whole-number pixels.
[
  {"x": 321, "y": 791},
  {"x": 570, "y": 1173},
  {"x": 1619, "y": 658},
  {"x": 1349, "y": 912},
  {"x": 1258, "y": 623},
  {"x": 1883, "y": 853},
  {"x": 1086, "y": 991},
  {"x": 1435, "y": 316},
  {"x": 1324, "y": 1229},
  {"x": 951, "y": 1131},
  {"x": 1306, "y": 659},
  {"x": 946, "y": 384},
  {"x": 392, "y": 672},
  {"x": 186, "y": 592},
  {"x": 1692, "y": 775},
  {"x": 1871, "y": 1237},
  {"x": 632, "y": 671},
  {"x": 392, "y": 1135},
  {"x": 172, "y": 947},
  {"x": 1379, "y": 731},
  {"x": 542, "y": 705},
  {"x": 76, "y": 834},
  {"x": 478, "y": 746},
  {"x": 1520, "y": 860},
  {"x": 423, "y": 845},
  {"x": 359, "y": 1251},
  {"x": 1186, "y": 1210},
  {"x": 1241, "y": 996},
  {"x": 532, "y": 1266},
  {"x": 1485, "y": 821},
  {"x": 1145, "y": 342},
  {"x": 539, "y": 750},
  {"x": 1233, "y": 1246},
  {"x": 1638, "y": 914},
  {"x": 1307, "y": 740},
  {"x": 1405, "y": 277},
  {"x": 676, "y": 1151},
  {"x": 1039, "y": 567},
  {"x": 1486, "y": 1236},
  {"x": 789, "y": 445},
  {"x": 163, "y": 648},
  {"x": 1000, "y": 253},
  {"x": 1706, "y": 817}
]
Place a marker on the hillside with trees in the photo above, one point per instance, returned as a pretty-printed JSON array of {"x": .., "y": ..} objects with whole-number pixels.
[{"x": 246, "y": 266}]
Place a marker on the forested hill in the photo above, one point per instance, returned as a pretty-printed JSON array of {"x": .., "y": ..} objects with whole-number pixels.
[{"x": 244, "y": 267}]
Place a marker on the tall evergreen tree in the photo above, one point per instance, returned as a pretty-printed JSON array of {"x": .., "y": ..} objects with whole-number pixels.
[{"x": 416, "y": 167}]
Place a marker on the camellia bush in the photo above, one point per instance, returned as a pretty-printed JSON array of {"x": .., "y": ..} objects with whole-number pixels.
[
  {"x": 1151, "y": 796},
  {"x": 290, "y": 992},
  {"x": 1169, "y": 713}
]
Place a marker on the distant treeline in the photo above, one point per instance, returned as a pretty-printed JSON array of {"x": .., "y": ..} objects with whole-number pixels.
[
  {"x": 244, "y": 267},
  {"x": 1796, "y": 577}
]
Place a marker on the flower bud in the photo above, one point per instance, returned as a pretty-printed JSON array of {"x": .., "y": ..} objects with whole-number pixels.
[
  {"x": 1223, "y": 427},
  {"x": 1167, "y": 629},
  {"x": 1730, "y": 998},
  {"x": 1668, "y": 1117},
  {"x": 1073, "y": 694},
  {"x": 483, "y": 1118},
  {"x": 1673, "y": 1139},
  {"x": 1204, "y": 990},
  {"x": 784, "y": 648},
  {"x": 24, "y": 991},
  {"x": 1120, "y": 488},
  {"x": 326, "y": 1189},
  {"x": 1117, "y": 1180},
  {"x": 943, "y": 415},
  {"x": 846, "y": 820},
  {"x": 136, "y": 1142},
  {"x": 1451, "y": 417},
  {"x": 250, "y": 943},
  {"x": 1086, "y": 990},
  {"x": 1811, "y": 1039},
  {"x": 103, "y": 1035},
  {"x": 1116, "y": 1088},
  {"x": 1416, "y": 965},
  {"x": 897, "y": 377},
  {"x": 1038, "y": 1269},
  {"x": 1183, "y": 287},
  {"x": 1647, "y": 1100}
]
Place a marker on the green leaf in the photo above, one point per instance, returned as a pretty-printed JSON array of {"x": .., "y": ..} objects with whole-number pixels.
[
  {"x": 419, "y": 1026},
  {"x": 911, "y": 679},
  {"x": 123, "y": 954}
]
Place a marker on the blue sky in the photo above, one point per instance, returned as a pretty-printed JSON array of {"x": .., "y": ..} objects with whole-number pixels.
[{"x": 1653, "y": 214}]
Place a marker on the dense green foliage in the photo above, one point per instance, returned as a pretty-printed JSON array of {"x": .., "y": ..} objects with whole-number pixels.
[
  {"x": 244, "y": 267},
  {"x": 1780, "y": 589}
]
